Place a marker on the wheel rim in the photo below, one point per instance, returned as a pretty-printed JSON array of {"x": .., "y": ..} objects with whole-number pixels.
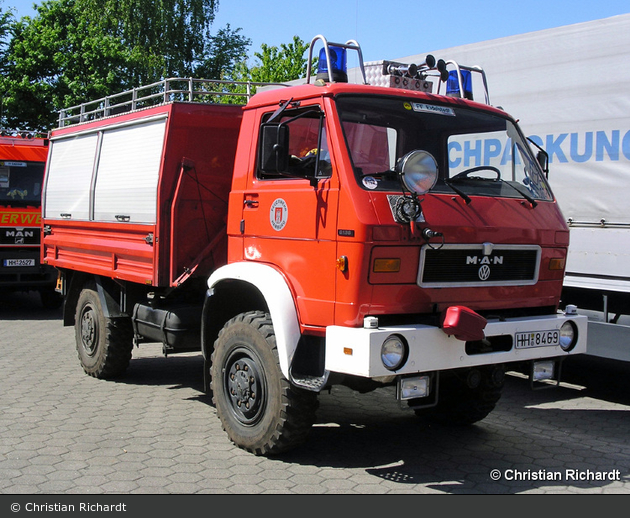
[
  {"x": 89, "y": 330},
  {"x": 245, "y": 387}
]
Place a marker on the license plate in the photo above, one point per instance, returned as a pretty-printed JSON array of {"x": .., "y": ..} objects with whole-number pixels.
[
  {"x": 537, "y": 339},
  {"x": 19, "y": 262}
]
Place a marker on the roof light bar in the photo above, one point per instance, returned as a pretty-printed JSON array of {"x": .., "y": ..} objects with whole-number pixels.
[
  {"x": 460, "y": 79},
  {"x": 337, "y": 71},
  {"x": 338, "y": 64}
]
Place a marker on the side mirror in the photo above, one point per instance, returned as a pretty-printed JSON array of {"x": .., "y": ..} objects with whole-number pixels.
[
  {"x": 274, "y": 148},
  {"x": 541, "y": 157},
  {"x": 543, "y": 160}
]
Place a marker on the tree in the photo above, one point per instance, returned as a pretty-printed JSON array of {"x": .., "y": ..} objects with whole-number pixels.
[
  {"x": 75, "y": 51},
  {"x": 274, "y": 65},
  {"x": 167, "y": 38},
  {"x": 57, "y": 59},
  {"x": 222, "y": 54},
  {"x": 6, "y": 18},
  {"x": 280, "y": 65},
  {"x": 78, "y": 50}
]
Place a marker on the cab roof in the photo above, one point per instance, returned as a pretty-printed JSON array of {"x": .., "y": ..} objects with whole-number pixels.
[
  {"x": 23, "y": 150},
  {"x": 272, "y": 97}
]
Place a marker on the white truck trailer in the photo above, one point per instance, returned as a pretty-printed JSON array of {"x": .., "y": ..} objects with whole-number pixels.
[{"x": 570, "y": 87}]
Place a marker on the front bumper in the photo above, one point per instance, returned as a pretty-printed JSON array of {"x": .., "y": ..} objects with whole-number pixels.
[{"x": 357, "y": 351}]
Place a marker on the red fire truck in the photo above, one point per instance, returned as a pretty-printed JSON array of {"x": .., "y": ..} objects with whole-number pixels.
[
  {"x": 22, "y": 161},
  {"x": 324, "y": 233}
]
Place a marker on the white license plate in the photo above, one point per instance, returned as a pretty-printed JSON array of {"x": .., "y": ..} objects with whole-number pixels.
[
  {"x": 19, "y": 262},
  {"x": 537, "y": 339}
]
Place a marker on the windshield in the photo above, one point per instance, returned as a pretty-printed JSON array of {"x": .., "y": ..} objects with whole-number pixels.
[
  {"x": 21, "y": 183},
  {"x": 477, "y": 153}
]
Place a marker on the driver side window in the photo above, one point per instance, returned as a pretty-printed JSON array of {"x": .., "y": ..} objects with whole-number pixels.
[{"x": 308, "y": 150}]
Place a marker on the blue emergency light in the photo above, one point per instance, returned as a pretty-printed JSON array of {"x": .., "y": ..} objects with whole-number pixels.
[
  {"x": 338, "y": 65},
  {"x": 452, "y": 84}
]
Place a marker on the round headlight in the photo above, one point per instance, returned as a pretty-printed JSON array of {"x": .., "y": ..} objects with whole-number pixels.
[
  {"x": 568, "y": 336},
  {"x": 394, "y": 352},
  {"x": 419, "y": 171}
]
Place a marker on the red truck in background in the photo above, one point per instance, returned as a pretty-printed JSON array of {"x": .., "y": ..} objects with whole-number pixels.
[
  {"x": 22, "y": 160},
  {"x": 323, "y": 233}
]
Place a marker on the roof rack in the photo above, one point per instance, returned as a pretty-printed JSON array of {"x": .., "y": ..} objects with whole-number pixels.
[{"x": 161, "y": 92}]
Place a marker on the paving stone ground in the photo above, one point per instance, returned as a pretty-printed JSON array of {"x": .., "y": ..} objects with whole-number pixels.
[{"x": 155, "y": 432}]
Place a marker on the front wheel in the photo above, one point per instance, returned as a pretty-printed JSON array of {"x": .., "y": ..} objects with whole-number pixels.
[
  {"x": 104, "y": 345},
  {"x": 259, "y": 409},
  {"x": 466, "y": 397}
]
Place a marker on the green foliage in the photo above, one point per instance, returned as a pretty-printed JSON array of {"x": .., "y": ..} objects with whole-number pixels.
[
  {"x": 74, "y": 51},
  {"x": 78, "y": 50},
  {"x": 6, "y": 18},
  {"x": 166, "y": 37},
  {"x": 56, "y": 59},
  {"x": 280, "y": 65},
  {"x": 223, "y": 53},
  {"x": 274, "y": 65}
]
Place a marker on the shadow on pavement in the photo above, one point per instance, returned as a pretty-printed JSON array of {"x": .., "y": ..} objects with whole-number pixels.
[{"x": 18, "y": 305}]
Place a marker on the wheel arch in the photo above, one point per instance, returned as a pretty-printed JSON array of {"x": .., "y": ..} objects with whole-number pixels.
[
  {"x": 239, "y": 287},
  {"x": 76, "y": 283}
]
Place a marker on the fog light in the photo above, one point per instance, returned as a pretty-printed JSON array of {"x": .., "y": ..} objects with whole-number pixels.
[
  {"x": 568, "y": 336},
  {"x": 543, "y": 370},
  {"x": 412, "y": 388},
  {"x": 394, "y": 352}
]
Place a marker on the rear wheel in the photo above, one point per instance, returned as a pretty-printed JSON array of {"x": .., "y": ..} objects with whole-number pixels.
[
  {"x": 258, "y": 407},
  {"x": 104, "y": 344}
]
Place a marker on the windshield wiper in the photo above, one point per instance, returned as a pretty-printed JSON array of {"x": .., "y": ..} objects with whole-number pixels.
[
  {"x": 458, "y": 191},
  {"x": 524, "y": 194}
]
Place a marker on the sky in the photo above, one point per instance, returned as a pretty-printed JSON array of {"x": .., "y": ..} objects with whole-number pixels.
[{"x": 393, "y": 29}]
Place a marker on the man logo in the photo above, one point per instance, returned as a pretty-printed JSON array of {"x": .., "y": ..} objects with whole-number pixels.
[{"x": 484, "y": 272}]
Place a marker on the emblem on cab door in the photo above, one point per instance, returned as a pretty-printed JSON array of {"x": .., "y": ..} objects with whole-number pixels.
[{"x": 278, "y": 214}]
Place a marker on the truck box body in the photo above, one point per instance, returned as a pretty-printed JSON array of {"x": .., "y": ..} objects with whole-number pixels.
[
  {"x": 569, "y": 87},
  {"x": 143, "y": 197}
]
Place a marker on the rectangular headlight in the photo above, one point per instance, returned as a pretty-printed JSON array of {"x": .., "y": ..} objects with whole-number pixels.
[
  {"x": 543, "y": 370},
  {"x": 416, "y": 387}
]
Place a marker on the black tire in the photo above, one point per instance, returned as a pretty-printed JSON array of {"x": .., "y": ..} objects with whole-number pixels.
[
  {"x": 459, "y": 404},
  {"x": 259, "y": 409},
  {"x": 104, "y": 345}
]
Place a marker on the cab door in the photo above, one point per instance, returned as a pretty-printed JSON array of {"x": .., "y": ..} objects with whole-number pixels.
[{"x": 289, "y": 218}]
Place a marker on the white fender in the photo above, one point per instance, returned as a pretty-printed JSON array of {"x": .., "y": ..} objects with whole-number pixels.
[{"x": 277, "y": 294}]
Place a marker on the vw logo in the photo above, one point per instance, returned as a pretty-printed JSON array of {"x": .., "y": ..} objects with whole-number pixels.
[{"x": 484, "y": 272}]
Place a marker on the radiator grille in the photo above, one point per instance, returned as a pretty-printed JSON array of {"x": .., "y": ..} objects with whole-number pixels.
[
  {"x": 476, "y": 265},
  {"x": 19, "y": 236}
]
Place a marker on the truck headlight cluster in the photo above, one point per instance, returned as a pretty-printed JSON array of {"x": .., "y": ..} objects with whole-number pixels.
[
  {"x": 568, "y": 336},
  {"x": 394, "y": 352},
  {"x": 419, "y": 171}
]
